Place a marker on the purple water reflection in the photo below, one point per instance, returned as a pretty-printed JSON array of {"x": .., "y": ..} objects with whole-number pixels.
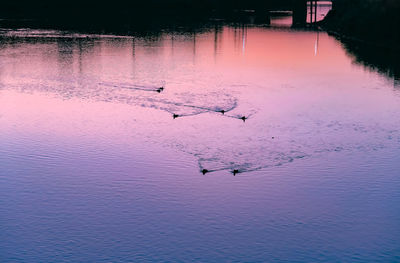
[{"x": 95, "y": 168}]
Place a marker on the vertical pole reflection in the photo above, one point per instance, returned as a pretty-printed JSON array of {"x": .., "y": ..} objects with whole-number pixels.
[
  {"x": 235, "y": 39},
  {"x": 133, "y": 48},
  {"x": 244, "y": 35},
  {"x": 217, "y": 33},
  {"x": 172, "y": 44},
  {"x": 316, "y": 44},
  {"x": 133, "y": 57},
  {"x": 80, "y": 56},
  {"x": 65, "y": 52},
  {"x": 240, "y": 39},
  {"x": 194, "y": 47}
]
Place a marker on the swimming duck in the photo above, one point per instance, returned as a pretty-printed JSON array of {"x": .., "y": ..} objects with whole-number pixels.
[
  {"x": 243, "y": 118},
  {"x": 204, "y": 171},
  {"x": 175, "y": 116},
  {"x": 222, "y": 111},
  {"x": 160, "y": 89},
  {"x": 236, "y": 171}
]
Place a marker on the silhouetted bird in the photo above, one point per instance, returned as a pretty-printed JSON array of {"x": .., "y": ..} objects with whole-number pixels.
[
  {"x": 222, "y": 111},
  {"x": 244, "y": 118},
  {"x": 160, "y": 89},
  {"x": 175, "y": 116},
  {"x": 236, "y": 171},
  {"x": 204, "y": 171}
]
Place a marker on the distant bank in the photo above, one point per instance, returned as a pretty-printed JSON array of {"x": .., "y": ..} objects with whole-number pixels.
[
  {"x": 125, "y": 16},
  {"x": 376, "y": 21}
]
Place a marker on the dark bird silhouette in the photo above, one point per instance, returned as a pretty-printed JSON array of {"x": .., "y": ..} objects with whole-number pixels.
[
  {"x": 236, "y": 171},
  {"x": 160, "y": 89},
  {"x": 175, "y": 116},
  {"x": 204, "y": 171},
  {"x": 243, "y": 118},
  {"x": 273, "y": 137},
  {"x": 222, "y": 111}
]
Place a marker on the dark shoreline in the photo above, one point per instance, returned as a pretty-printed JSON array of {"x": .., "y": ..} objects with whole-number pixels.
[
  {"x": 369, "y": 31},
  {"x": 124, "y": 15},
  {"x": 369, "y": 22}
]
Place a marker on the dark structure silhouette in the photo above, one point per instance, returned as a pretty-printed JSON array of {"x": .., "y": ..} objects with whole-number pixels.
[
  {"x": 375, "y": 21},
  {"x": 299, "y": 13},
  {"x": 124, "y": 15}
]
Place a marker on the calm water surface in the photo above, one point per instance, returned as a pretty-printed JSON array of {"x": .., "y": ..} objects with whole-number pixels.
[{"x": 94, "y": 168}]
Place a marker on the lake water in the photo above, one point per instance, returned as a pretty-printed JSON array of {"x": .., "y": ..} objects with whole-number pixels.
[{"x": 94, "y": 168}]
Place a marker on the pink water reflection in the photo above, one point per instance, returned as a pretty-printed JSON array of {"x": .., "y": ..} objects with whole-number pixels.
[{"x": 94, "y": 163}]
